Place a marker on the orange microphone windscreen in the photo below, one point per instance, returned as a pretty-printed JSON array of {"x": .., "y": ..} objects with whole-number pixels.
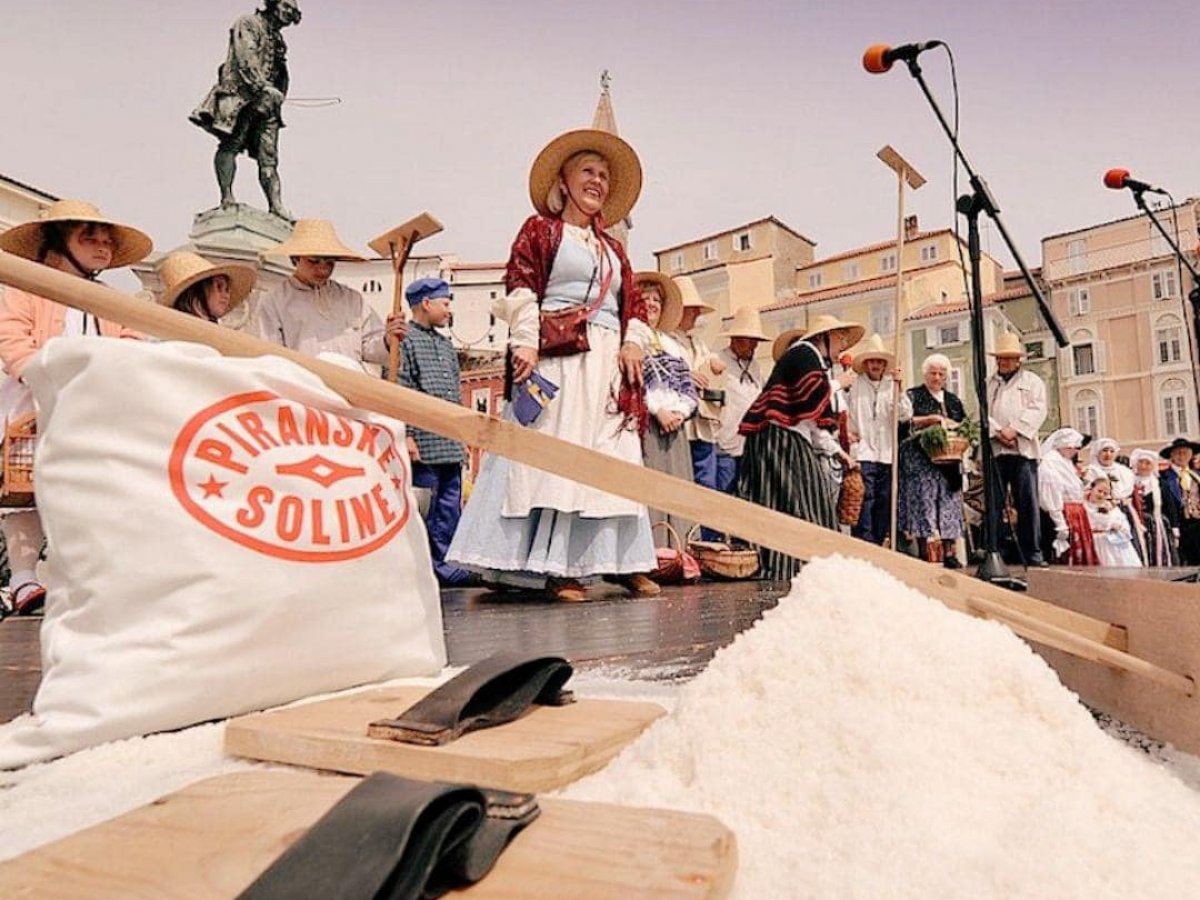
[
  {"x": 875, "y": 59},
  {"x": 1115, "y": 178}
]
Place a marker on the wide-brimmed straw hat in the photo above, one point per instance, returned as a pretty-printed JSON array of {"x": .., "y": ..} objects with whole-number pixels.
[
  {"x": 672, "y": 299},
  {"x": 26, "y": 239},
  {"x": 1176, "y": 444},
  {"x": 624, "y": 170},
  {"x": 1008, "y": 344},
  {"x": 822, "y": 324},
  {"x": 746, "y": 324},
  {"x": 872, "y": 348},
  {"x": 315, "y": 237},
  {"x": 182, "y": 269},
  {"x": 691, "y": 295}
]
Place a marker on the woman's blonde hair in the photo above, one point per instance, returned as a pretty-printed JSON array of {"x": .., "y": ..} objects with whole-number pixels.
[{"x": 556, "y": 200}]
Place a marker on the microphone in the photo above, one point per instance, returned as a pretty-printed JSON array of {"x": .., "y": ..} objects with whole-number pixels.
[
  {"x": 880, "y": 57},
  {"x": 1119, "y": 178}
]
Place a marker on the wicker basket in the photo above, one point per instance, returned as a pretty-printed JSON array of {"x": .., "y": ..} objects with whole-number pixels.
[
  {"x": 955, "y": 448},
  {"x": 16, "y": 489},
  {"x": 673, "y": 563},
  {"x": 720, "y": 560},
  {"x": 851, "y": 496}
]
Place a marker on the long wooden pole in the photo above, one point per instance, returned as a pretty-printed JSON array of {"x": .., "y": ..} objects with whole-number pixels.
[
  {"x": 898, "y": 328},
  {"x": 1033, "y": 619},
  {"x": 399, "y": 261}
]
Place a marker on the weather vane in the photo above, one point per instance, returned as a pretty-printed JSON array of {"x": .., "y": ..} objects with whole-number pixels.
[{"x": 605, "y": 80}]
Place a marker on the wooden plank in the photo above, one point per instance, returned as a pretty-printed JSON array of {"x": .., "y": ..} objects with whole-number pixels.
[
  {"x": 586, "y": 466},
  {"x": 546, "y": 749},
  {"x": 1162, "y": 619},
  {"x": 211, "y": 840}
]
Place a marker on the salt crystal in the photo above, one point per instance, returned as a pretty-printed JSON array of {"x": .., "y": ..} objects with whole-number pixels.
[{"x": 864, "y": 741}]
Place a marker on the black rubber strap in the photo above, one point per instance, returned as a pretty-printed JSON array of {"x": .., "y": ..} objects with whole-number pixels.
[
  {"x": 491, "y": 692},
  {"x": 394, "y": 838}
]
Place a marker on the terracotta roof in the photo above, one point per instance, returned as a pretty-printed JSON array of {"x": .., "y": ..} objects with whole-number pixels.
[
  {"x": 717, "y": 234},
  {"x": 933, "y": 310},
  {"x": 874, "y": 248},
  {"x": 854, "y": 287},
  {"x": 1051, "y": 237}
]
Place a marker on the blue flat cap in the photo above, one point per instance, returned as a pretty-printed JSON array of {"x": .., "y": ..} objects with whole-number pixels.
[{"x": 426, "y": 289}]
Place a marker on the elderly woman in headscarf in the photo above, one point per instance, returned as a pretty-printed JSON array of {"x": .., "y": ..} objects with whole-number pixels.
[
  {"x": 671, "y": 397},
  {"x": 931, "y": 501},
  {"x": 1148, "y": 506},
  {"x": 1061, "y": 496},
  {"x": 791, "y": 429},
  {"x": 1103, "y": 464},
  {"x": 75, "y": 238},
  {"x": 575, "y": 318}
]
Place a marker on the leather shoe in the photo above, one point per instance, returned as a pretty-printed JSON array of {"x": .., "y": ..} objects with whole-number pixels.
[
  {"x": 28, "y": 599},
  {"x": 951, "y": 562},
  {"x": 639, "y": 585},
  {"x": 568, "y": 590}
]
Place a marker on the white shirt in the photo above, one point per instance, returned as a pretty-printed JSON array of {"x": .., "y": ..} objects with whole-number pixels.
[
  {"x": 869, "y": 412},
  {"x": 331, "y": 318},
  {"x": 1058, "y": 484},
  {"x": 1020, "y": 404},
  {"x": 743, "y": 384},
  {"x": 1122, "y": 478}
]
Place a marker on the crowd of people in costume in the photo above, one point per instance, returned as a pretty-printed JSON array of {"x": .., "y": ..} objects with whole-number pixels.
[{"x": 611, "y": 359}]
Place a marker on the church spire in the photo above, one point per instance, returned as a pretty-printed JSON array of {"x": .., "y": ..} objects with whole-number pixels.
[{"x": 606, "y": 120}]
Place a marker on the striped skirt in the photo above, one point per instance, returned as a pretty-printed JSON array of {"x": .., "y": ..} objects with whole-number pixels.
[{"x": 781, "y": 471}]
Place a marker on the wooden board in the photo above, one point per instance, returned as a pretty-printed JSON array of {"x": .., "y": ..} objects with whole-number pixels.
[
  {"x": 212, "y": 839},
  {"x": 544, "y": 750},
  {"x": 1162, "y": 621}
]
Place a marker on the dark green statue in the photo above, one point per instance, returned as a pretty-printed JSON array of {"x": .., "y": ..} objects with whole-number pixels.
[{"x": 244, "y": 110}]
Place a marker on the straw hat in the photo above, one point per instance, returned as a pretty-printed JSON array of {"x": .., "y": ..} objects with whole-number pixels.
[
  {"x": 691, "y": 295},
  {"x": 624, "y": 170},
  {"x": 873, "y": 348},
  {"x": 315, "y": 237},
  {"x": 745, "y": 324},
  {"x": 26, "y": 239},
  {"x": 822, "y": 324},
  {"x": 672, "y": 299},
  {"x": 182, "y": 269},
  {"x": 1008, "y": 344},
  {"x": 784, "y": 341}
]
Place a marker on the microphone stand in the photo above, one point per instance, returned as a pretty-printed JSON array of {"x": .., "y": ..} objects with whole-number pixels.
[
  {"x": 980, "y": 201},
  {"x": 1194, "y": 294}
]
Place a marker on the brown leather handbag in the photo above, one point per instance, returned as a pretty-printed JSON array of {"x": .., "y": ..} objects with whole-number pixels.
[{"x": 563, "y": 332}]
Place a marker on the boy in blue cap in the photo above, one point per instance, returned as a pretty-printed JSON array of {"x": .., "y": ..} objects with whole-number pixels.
[{"x": 429, "y": 364}]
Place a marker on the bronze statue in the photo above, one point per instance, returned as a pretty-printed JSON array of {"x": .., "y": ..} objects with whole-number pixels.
[{"x": 244, "y": 110}]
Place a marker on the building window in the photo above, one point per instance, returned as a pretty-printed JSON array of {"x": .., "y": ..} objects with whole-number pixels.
[
  {"x": 677, "y": 262},
  {"x": 1164, "y": 284},
  {"x": 1079, "y": 302},
  {"x": 1174, "y": 407},
  {"x": 1077, "y": 256},
  {"x": 1036, "y": 349},
  {"x": 710, "y": 251},
  {"x": 954, "y": 381},
  {"x": 887, "y": 262},
  {"x": 1168, "y": 340},
  {"x": 850, "y": 271},
  {"x": 814, "y": 280},
  {"x": 479, "y": 399},
  {"x": 929, "y": 253},
  {"x": 1086, "y": 412},
  {"x": 1083, "y": 359},
  {"x": 948, "y": 334},
  {"x": 741, "y": 242},
  {"x": 883, "y": 317}
]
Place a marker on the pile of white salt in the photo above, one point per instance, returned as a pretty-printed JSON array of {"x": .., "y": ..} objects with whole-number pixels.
[{"x": 864, "y": 741}]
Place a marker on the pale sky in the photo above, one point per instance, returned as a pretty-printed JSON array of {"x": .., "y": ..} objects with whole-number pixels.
[{"x": 738, "y": 110}]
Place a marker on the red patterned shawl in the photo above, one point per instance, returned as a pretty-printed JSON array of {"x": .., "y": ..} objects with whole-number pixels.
[
  {"x": 798, "y": 390},
  {"x": 529, "y": 265}
]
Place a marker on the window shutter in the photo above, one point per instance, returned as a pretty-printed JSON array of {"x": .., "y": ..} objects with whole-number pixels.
[
  {"x": 1098, "y": 349},
  {"x": 1066, "y": 361}
]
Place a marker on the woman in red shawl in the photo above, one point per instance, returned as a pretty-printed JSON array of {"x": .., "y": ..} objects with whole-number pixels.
[{"x": 522, "y": 526}]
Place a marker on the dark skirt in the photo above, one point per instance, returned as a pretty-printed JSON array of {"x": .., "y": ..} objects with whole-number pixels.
[
  {"x": 930, "y": 501},
  {"x": 781, "y": 471},
  {"x": 671, "y": 454}
]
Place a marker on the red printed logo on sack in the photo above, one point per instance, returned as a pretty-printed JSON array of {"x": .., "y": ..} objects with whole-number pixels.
[{"x": 288, "y": 480}]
